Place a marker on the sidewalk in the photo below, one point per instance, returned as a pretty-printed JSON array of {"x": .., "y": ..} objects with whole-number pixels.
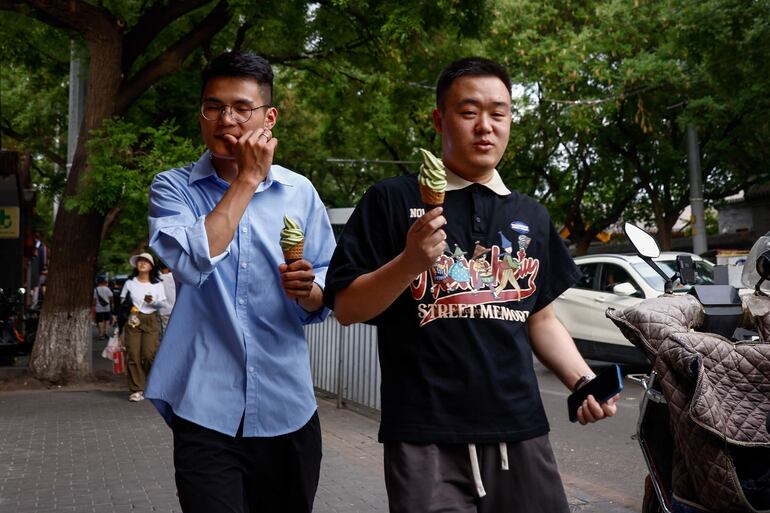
[{"x": 91, "y": 451}]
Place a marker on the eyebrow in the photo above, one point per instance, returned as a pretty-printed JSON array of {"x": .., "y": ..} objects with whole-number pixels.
[
  {"x": 237, "y": 100},
  {"x": 477, "y": 103}
]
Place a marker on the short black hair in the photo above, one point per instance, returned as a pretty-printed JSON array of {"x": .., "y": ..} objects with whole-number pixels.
[
  {"x": 240, "y": 64},
  {"x": 469, "y": 67}
]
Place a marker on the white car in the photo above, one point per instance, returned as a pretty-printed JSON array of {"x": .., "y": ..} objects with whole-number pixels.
[{"x": 617, "y": 281}]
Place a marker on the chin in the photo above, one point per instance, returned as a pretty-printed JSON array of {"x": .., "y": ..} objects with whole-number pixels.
[{"x": 222, "y": 153}]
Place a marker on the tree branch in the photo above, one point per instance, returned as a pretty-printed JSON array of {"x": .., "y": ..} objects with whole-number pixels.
[
  {"x": 50, "y": 155},
  {"x": 150, "y": 24},
  {"x": 173, "y": 57},
  {"x": 78, "y": 15},
  {"x": 241, "y": 35}
]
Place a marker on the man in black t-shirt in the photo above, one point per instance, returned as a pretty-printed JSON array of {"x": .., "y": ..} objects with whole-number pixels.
[{"x": 461, "y": 298}]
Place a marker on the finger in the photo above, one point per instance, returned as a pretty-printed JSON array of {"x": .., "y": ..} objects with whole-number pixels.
[
  {"x": 230, "y": 139},
  {"x": 245, "y": 136},
  {"x": 594, "y": 408},
  {"x": 435, "y": 224},
  {"x": 297, "y": 285},
  {"x": 299, "y": 265},
  {"x": 427, "y": 217},
  {"x": 435, "y": 239},
  {"x": 298, "y": 276}
]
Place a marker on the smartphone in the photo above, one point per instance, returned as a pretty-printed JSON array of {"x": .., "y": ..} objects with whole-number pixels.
[
  {"x": 686, "y": 269},
  {"x": 603, "y": 387}
]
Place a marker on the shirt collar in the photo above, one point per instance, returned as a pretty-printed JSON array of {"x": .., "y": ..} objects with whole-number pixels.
[
  {"x": 204, "y": 169},
  {"x": 495, "y": 184}
]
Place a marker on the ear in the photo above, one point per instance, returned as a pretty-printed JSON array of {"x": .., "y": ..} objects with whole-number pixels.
[
  {"x": 437, "y": 120},
  {"x": 271, "y": 116}
]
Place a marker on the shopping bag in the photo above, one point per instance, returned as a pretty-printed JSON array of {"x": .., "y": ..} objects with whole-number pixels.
[
  {"x": 118, "y": 366},
  {"x": 113, "y": 345}
]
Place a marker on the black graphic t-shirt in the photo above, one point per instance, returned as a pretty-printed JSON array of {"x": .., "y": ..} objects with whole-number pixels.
[{"x": 455, "y": 356}]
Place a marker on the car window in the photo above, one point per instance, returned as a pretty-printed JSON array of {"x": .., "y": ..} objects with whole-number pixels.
[
  {"x": 613, "y": 274},
  {"x": 587, "y": 276},
  {"x": 704, "y": 274}
]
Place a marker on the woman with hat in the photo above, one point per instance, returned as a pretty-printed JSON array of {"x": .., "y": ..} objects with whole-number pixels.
[{"x": 142, "y": 332}]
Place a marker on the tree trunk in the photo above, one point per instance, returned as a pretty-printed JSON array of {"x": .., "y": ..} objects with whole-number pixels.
[
  {"x": 63, "y": 339},
  {"x": 581, "y": 245}
]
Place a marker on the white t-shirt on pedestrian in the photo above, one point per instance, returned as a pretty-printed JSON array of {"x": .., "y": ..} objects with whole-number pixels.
[
  {"x": 170, "y": 289},
  {"x": 139, "y": 289},
  {"x": 104, "y": 292}
]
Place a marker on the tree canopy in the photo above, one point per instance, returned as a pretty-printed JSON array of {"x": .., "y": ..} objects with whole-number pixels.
[{"x": 604, "y": 91}]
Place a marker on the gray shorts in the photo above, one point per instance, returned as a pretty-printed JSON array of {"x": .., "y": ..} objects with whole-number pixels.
[{"x": 447, "y": 478}]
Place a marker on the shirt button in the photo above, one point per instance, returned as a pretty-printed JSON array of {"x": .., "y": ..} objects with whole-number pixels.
[
  {"x": 251, "y": 369},
  {"x": 241, "y": 301},
  {"x": 243, "y": 265},
  {"x": 477, "y": 219},
  {"x": 243, "y": 229}
]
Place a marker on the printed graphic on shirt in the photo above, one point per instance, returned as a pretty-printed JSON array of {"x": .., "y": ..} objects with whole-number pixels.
[{"x": 463, "y": 287}]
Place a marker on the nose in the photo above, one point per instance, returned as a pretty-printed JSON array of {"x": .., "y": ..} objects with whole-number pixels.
[
  {"x": 484, "y": 124},
  {"x": 226, "y": 116}
]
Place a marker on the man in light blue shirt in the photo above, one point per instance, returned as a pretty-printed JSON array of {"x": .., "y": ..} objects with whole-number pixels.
[{"x": 232, "y": 376}]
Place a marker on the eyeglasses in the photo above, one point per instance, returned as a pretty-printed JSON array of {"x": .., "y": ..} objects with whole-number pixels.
[{"x": 240, "y": 112}]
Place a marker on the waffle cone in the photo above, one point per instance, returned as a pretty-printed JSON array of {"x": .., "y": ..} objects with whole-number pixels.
[
  {"x": 294, "y": 253},
  {"x": 431, "y": 198}
]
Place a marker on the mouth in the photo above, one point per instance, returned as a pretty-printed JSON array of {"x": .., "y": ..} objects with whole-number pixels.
[{"x": 483, "y": 145}]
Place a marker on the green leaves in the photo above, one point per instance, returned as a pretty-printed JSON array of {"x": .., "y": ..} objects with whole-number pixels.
[{"x": 123, "y": 160}]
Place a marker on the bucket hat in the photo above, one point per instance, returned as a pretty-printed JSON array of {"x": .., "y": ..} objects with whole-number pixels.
[{"x": 146, "y": 256}]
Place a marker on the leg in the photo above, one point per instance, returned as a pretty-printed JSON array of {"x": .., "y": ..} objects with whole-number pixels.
[
  {"x": 133, "y": 343},
  {"x": 531, "y": 484},
  {"x": 210, "y": 469},
  {"x": 285, "y": 470},
  {"x": 429, "y": 478},
  {"x": 150, "y": 341}
]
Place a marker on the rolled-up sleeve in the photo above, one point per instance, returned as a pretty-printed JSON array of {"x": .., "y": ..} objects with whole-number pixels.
[
  {"x": 319, "y": 247},
  {"x": 178, "y": 234}
]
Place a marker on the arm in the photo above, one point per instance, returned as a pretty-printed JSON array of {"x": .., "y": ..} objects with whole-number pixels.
[
  {"x": 304, "y": 280},
  {"x": 554, "y": 347},
  {"x": 186, "y": 239},
  {"x": 371, "y": 294},
  {"x": 254, "y": 155}
]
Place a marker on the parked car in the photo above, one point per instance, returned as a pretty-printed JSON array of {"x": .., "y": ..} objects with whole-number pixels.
[{"x": 617, "y": 281}]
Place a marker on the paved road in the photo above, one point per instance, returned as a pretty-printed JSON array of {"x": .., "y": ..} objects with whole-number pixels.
[{"x": 91, "y": 451}]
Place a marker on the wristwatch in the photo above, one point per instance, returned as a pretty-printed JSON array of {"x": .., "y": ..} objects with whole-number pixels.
[{"x": 582, "y": 381}]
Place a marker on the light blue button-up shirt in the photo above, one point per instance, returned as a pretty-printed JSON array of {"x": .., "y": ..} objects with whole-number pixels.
[{"x": 234, "y": 347}]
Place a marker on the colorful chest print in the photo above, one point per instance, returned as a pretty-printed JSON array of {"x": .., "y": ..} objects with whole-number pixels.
[{"x": 474, "y": 287}]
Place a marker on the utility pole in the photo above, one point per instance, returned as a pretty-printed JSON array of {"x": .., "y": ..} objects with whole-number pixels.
[
  {"x": 75, "y": 111},
  {"x": 698, "y": 219}
]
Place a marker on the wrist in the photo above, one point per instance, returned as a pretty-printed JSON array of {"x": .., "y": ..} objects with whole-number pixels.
[
  {"x": 582, "y": 380},
  {"x": 409, "y": 267}
]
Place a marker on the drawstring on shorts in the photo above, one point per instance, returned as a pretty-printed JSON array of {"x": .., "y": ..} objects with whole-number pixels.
[{"x": 475, "y": 465}]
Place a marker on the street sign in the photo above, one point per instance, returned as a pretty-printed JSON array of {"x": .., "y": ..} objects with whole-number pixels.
[{"x": 9, "y": 223}]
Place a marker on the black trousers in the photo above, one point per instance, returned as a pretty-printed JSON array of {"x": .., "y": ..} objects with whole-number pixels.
[{"x": 216, "y": 473}]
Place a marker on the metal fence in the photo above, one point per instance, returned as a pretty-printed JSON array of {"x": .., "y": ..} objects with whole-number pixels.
[{"x": 344, "y": 361}]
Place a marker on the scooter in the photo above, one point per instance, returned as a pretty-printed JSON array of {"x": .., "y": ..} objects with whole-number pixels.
[
  {"x": 12, "y": 341},
  {"x": 704, "y": 419}
]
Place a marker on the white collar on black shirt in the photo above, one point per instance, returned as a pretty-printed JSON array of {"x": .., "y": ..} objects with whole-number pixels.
[{"x": 495, "y": 184}]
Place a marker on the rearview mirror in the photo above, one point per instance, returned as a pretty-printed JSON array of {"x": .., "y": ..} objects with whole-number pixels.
[
  {"x": 642, "y": 241},
  {"x": 624, "y": 289}
]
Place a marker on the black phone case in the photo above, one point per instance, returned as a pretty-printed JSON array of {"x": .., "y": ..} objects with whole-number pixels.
[{"x": 608, "y": 383}]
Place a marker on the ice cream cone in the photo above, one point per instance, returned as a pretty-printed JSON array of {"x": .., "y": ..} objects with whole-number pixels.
[
  {"x": 431, "y": 198},
  {"x": 294, "y": 253}
]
